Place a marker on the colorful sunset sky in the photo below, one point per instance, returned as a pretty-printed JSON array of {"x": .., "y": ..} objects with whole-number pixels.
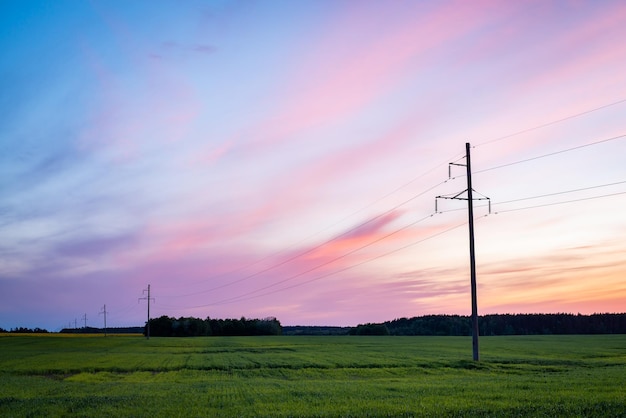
[{"x": 283, "y": 158}]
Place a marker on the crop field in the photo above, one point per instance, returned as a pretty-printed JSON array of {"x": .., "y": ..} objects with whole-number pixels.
[{"x": 58, "y": 375}]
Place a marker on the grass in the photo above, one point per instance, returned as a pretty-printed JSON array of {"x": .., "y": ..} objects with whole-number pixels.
[{"x": 312, "y": 376}]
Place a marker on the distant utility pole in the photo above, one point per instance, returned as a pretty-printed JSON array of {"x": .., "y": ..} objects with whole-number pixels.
[
  {"x": 470, "y": 208},
  {"x": 148, "y": 298},
  {"x": 104, "y": 311},
  {"x": 85, "y": 320},
  {"x": 75, "y": 323}
]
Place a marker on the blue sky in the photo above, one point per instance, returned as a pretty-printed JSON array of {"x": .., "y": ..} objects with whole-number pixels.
[{"x": 282, "y": 159}]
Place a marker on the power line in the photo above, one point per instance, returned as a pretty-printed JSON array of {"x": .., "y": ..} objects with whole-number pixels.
[
  {"x": 123, "y": 313},
  {"x": 460, "y": 156},
  {"x": 320, "y": 265},
  {"x": 413, "y": 244},
  {"x": 389, "y": 211},
  {"x": 554, "y": 122},
  {"x": 552, "y": 153},
  {"x": 317, "y": 233},
  {"x": 253, "y": 295},
  {"x": 563, "y": 192},
  {"x": 310, "y": 250},
  {"x": 397, "y": 206},
  {"x": 369, "y": 260},
  {"x": 560, "y": 203},
  {"x": 542, "y": 195},
  {"x": 242, "y": 298},
  {"x": 408, "y": 183}
]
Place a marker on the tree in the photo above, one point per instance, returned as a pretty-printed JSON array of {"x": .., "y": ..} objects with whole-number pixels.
[
  {"x": 165, "y": 326},
  {"x": 370, "y": 329}
]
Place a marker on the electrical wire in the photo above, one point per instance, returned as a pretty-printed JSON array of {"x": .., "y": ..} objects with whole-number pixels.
[
  {"x": 560, "y": 203},
  {"x": 273, "y": 255},
  {"x": 397, "y": 206},
  {"x": 295, "y": 276},
  {"x": 554, "y": 122},
  {"x": 552, "y": 153},
  {"x": 314, "y": 248},
  {"x": 493, "y": 204},
  {"x": 559, "y": 193},
  {"x": 254, "y": 294},
  {"x": 242, "y": 298}
]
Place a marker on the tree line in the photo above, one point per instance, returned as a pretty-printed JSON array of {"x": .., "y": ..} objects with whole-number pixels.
[
  {"x": 110, "y": 330},
  {"x": 315, "y": 330},
  {"x": 22, "y": 330},
  {"x": 166, "y": 326},
  {"x": 499, "y": 324}
]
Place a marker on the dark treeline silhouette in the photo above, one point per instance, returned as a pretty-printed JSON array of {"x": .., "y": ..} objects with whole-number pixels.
[
  {"x": 370, "y": 329},
  {"x": 553, "y": 324},
  {"x": 315, "y": 330},
  {"x": 500, "y": 324},
  {"x": 112, "y": 330},
  {"x": 22, "y": 330},
  {"x": 165, "y": 326}
]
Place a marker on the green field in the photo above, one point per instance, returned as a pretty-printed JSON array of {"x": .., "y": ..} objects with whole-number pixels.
[{"x": 312, "y": 376}]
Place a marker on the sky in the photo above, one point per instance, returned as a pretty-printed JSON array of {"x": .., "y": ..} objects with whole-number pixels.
[{"x": 283, "y": 159}]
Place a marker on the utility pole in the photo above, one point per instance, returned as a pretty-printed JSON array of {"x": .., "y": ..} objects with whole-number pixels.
[
  {"x": 470, "y": 210},
  {"x": 85, "y": 319},
  {"x": 104, "y": 311},
  {"x": 148, "y": 298},
  {"x": 75, "y": 323}
]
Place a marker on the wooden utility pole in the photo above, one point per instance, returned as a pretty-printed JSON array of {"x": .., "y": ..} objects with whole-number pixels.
[
  {"x": 104, "y": 311},
  {"x": 148, "y": 299},
  {"x": 470, "y": 211},
  {"x": 470, "y": 214}
]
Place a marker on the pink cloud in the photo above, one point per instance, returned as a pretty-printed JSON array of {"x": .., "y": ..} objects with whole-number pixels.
[
  {"x": 368, "y": 72},
  {"x": 578, "y": 51},
  {"x": 577, "y": 280},
  {"x": 205, "y": 49},
  {"x": 130, "y": 120},
  {"x": 146, "y": 106},
  {"x": 269, "y": 282},
  {"x": 351, "y": 86},
  {"x": 554, "y": 283},
  {"x": 359, "y": 297},
  {"x": 327, "y": 173},
  {"x": 181, "y": 239},
  {"x": 571, "y": 61},
  {"x": 211, "y": 154},
  {"x": 325, "y": 264},
  {"x": 355, "y": 238}
]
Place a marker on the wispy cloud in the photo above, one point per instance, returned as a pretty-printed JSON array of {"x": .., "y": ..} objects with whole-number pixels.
[
  {"x": 205, "y": 49},
  {"x": 245, "y": 162}
]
